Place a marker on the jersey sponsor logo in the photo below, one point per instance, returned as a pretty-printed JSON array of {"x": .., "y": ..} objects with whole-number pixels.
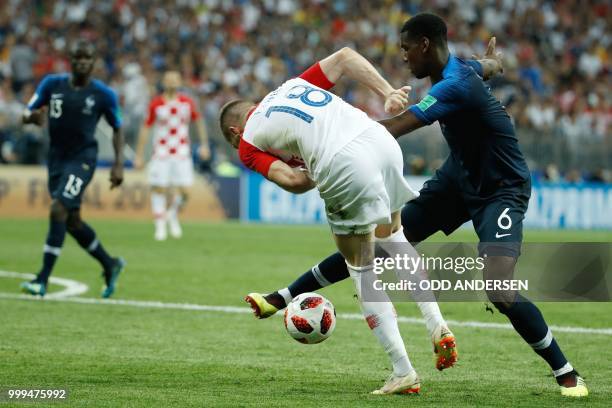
[
  {"x": 426, "y": 102},
  {"x": 498, "y": 235},
  {"x": 89, "y": 103}
]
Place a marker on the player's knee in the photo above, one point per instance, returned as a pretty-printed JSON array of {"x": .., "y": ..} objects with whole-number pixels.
[
  {"x": 74, "y": 222},
  {"x": 502, "y": 300},
  {"x": 498, "y": 268},
  {"x": 383, "y": 231},
  {"x": 58, "y": 212}
]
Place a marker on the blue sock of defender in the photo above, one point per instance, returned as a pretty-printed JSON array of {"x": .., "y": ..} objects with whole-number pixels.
[
  {"x": 528, "y": 321},
  {"x": 52, "y": 249},
  {"x": 86, "y": 237},
  {"x": 331, "y": 270}
]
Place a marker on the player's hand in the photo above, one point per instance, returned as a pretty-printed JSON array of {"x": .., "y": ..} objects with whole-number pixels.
[
  {"x": 138, "y": 163},
  {"x": 204, "y": 152},
  {"x": 494, "y": 55},
  {"x": 397, "y": 101},
  {"x": 36, "y": 117},
  {"x": 116, "y": 175}
]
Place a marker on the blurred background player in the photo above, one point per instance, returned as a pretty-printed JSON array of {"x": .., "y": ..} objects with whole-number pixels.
[
  {"x": 171, "y": 164},
  {"x": 75, "y": 104}
]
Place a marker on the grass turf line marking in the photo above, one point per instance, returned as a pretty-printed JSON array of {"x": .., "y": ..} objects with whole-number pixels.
[
  {"x": 246, "y": 310},
  {"x": 71, "y": 287}
]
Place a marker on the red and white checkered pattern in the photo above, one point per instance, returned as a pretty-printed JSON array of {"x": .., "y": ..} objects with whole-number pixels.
[{"x": 170, "y": 119}]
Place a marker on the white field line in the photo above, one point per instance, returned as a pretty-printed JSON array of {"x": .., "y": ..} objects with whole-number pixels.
[
  {"x": 247, "y": 310},
  {"x": 71, "y": 287}
]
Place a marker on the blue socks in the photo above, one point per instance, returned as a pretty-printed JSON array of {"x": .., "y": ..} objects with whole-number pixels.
[
  {"x": 52, "y": 249},
  {"x": 86, "y": 237},
  {"x": 528, "y": 321},
  {"x": 331, "y": 270}
]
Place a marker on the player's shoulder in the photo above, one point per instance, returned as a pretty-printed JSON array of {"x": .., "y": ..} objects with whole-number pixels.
[
  {"x": 458, "y": 79},
  {"x": 183, "y": 97},
  {"x": 157, "y": 100},
  {"x": 55, "y": 79},
  {"x": 103, "y": 88},
  {"x": 458, "y": 68},
  {"x": 291, "y": 82}
]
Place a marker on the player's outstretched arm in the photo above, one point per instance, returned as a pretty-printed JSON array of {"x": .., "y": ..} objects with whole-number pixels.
[
  {"x": 116, "y": 174},
  {"x": 401, "y": 124},
  {"x": 293, "y": 180},
  {"x": 348, "y": 62},
  {"x": 491, "y": 62}
]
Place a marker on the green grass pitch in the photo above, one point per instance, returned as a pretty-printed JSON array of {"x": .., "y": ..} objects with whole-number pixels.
[{"x": 113, "y": 355}]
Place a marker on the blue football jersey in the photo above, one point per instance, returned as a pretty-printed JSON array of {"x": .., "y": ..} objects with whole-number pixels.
[
  {"x": 74, "y": 113},
  {"x": 479, "y": 132}
]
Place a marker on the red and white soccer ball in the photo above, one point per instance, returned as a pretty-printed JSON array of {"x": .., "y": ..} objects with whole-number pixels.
[{"x": 310, "y": 318}]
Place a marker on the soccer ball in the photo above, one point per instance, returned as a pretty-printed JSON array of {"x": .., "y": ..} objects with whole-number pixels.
[{"x": 310, "y": 318}]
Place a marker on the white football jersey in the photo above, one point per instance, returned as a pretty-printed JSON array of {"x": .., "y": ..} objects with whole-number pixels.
[{"x": 301, "y": 123}]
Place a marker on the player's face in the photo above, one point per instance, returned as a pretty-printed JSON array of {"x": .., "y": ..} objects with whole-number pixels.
[
  {"x": 413, "y": 53},
  {"x": 171, "y": 81},
  {"x": 82, "y": 61}
]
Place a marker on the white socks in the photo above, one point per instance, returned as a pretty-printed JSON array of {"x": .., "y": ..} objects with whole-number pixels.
[
  {"x": 286, "y": 295},
  {"x": 176, "y": 205},
  {"x": 382, "y": 319},
  {"x": 430, "y": 310},
  {"x": 158, "y": 206}
]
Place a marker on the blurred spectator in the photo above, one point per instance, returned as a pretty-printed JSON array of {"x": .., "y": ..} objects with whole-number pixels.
[
  {"x": 22, "y": 59},
  {"x": 551, "y": 173},
  {"x": 573, "y": 176},
  {"x": 556, "y": 84},
  {"x": 418, "y": 167}
]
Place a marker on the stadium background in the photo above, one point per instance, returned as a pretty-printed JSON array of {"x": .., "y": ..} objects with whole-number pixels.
[
  {"x": 177, "y": 332},
  {"x": 556, "y": 84}
]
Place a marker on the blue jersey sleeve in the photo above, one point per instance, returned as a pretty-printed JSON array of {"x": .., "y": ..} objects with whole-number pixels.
[
  {"x": 43, "y": 93},
  {"x": 112, "y": 111},
  {"x": 476, "y": 65},
  {"x": 444, "y": 98}
]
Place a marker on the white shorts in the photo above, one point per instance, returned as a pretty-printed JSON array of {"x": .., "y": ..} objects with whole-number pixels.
[
  {"x": 171, "y": 172},
  {"x": 365, "y": 183}
]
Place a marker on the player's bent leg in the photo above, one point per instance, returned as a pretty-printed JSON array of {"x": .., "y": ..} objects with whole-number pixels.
[
  {"x": 51, "y": 250},
  {"x": 395, "y": 243},
  {"x": 358, "y": 250},
  {"x": 329, "y": 271},
  {"x": 86, "y": 238},
  {"x": 529, "y": 323},
  {"x": 158, "y": 206}
]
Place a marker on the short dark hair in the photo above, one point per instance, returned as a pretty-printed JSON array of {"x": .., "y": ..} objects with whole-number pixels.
[
  {"x": 82, "y": 44},
  {"x": 228, "y": 114},
  {"x": 426, "y": 25}
]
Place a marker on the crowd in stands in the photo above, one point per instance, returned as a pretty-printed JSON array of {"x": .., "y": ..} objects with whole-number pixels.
[{"x": 556, "y": 84}]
